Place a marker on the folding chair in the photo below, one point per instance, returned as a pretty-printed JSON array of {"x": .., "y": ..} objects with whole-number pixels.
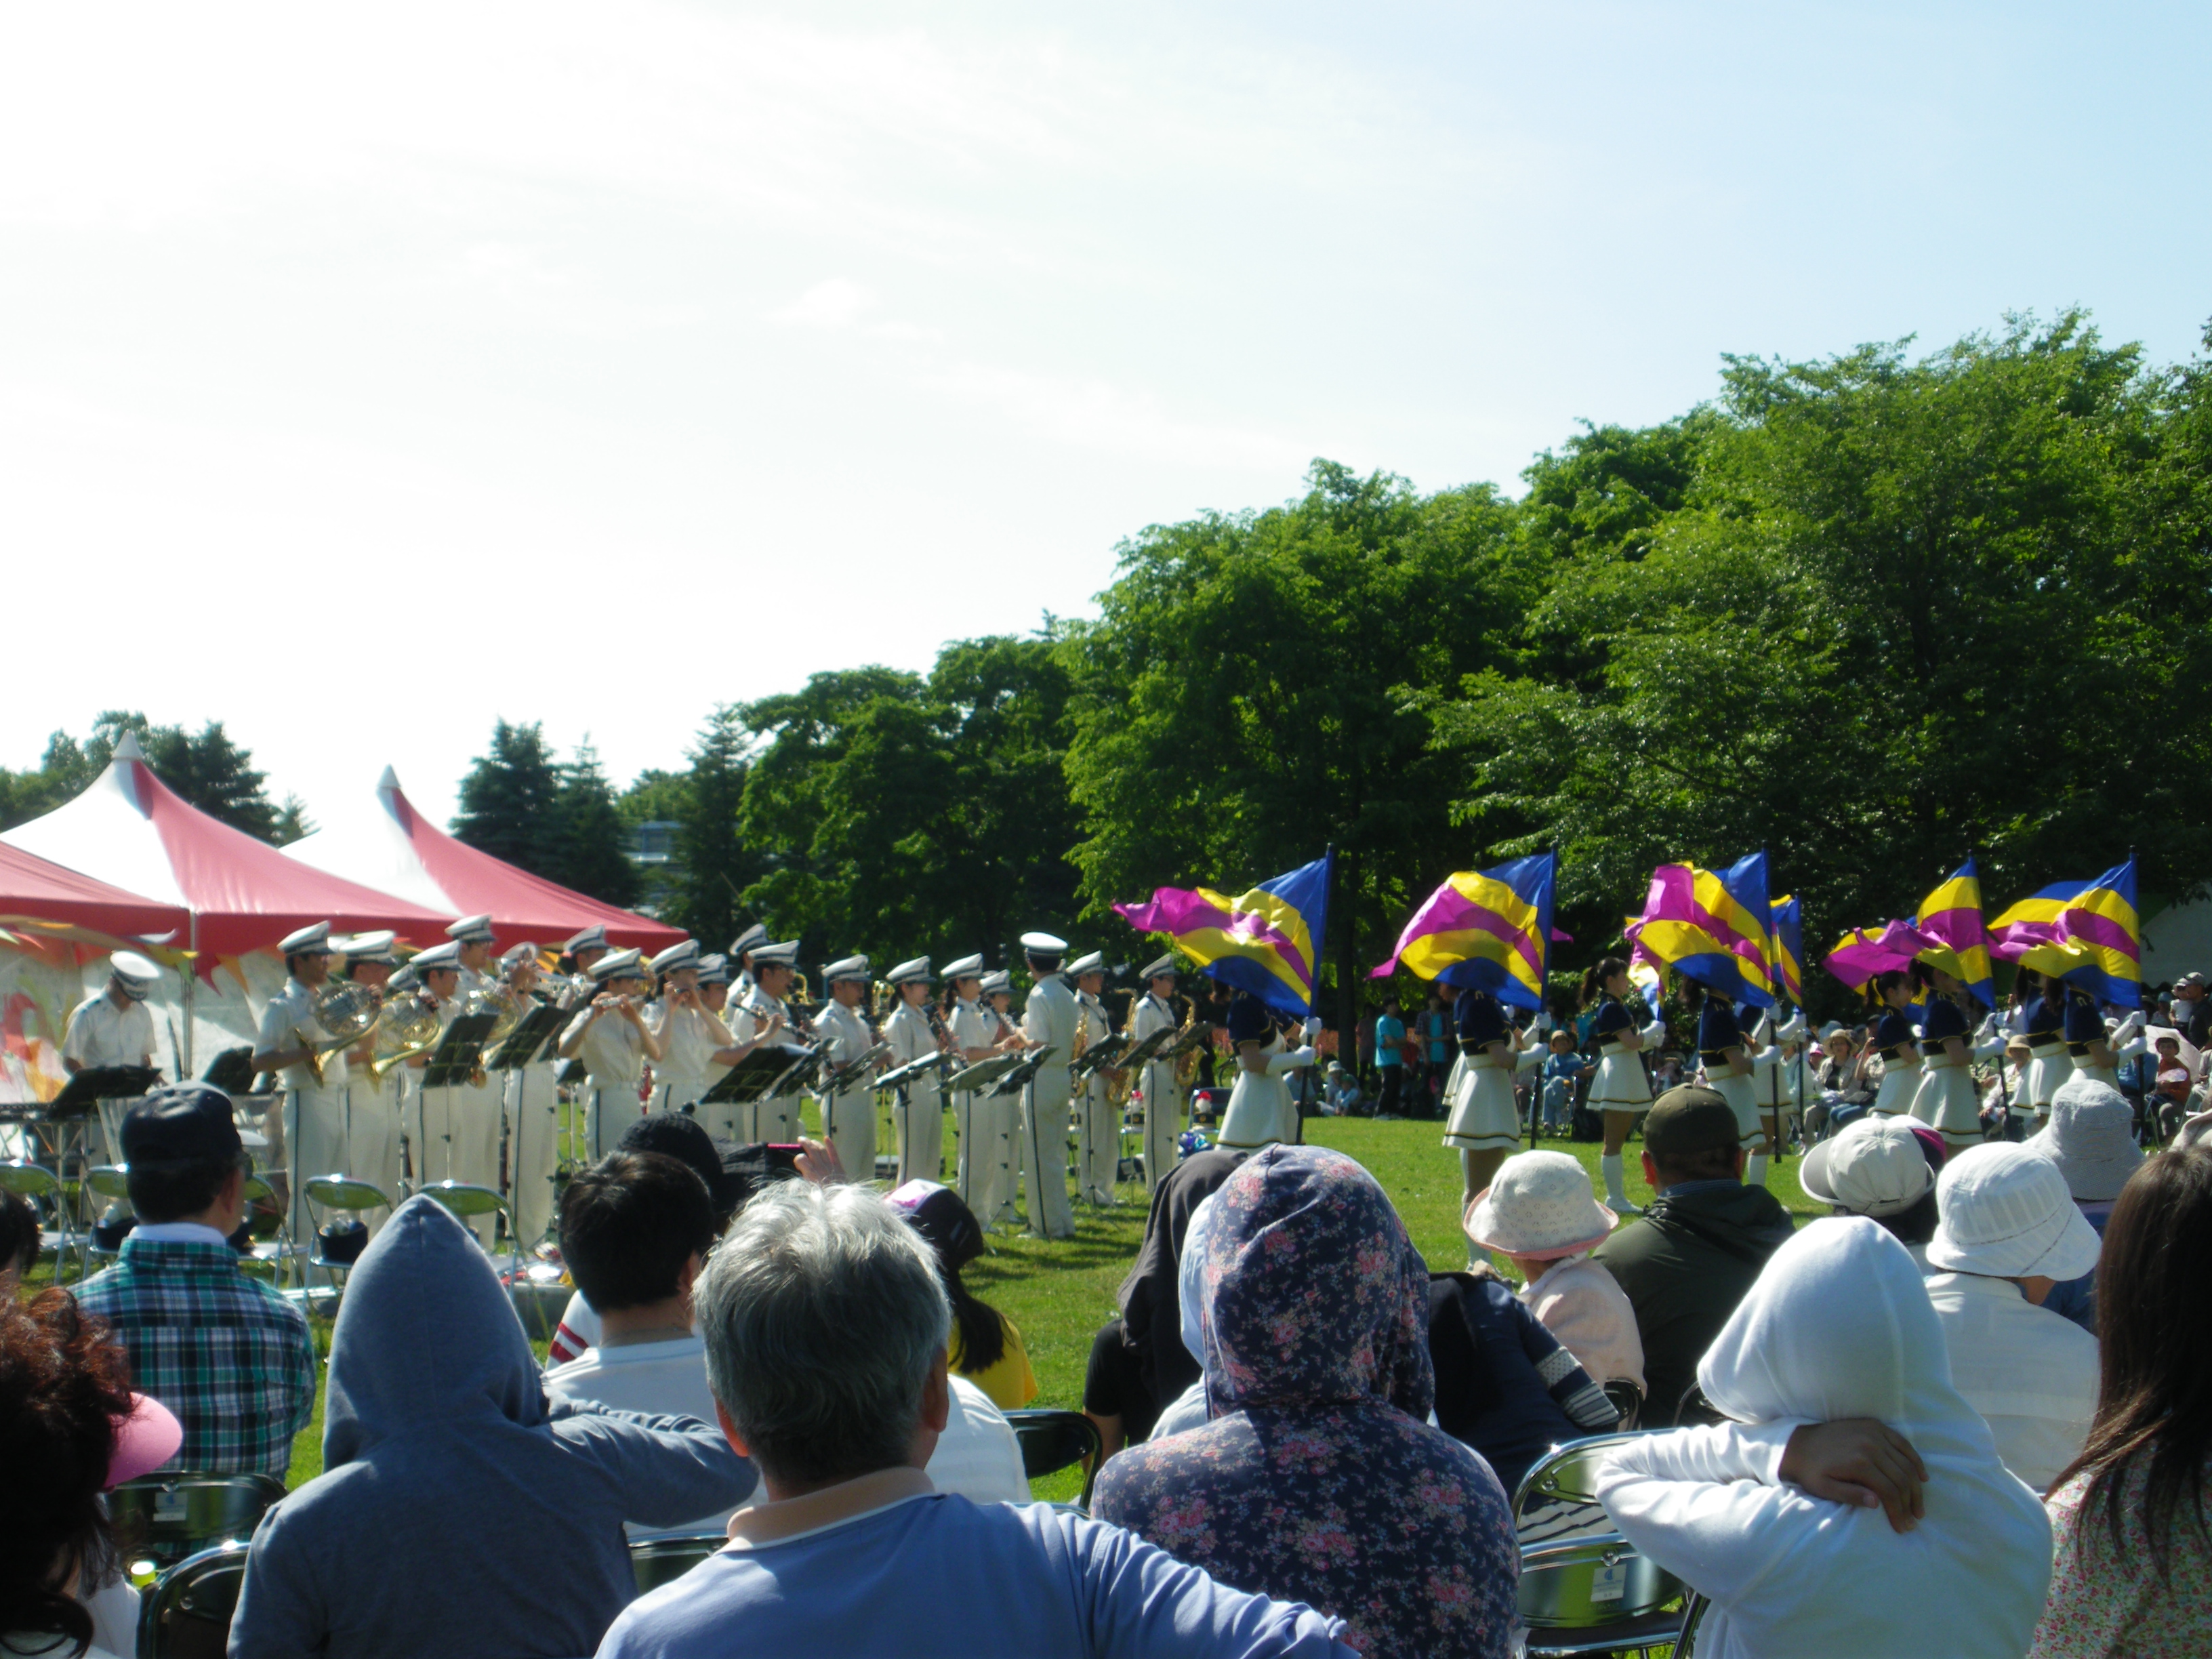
[
  {"x": 658, "y": 1561},
  {"x": 1628, "y": 1400},
  {"x": 166, "y": 1517},
  {"x": 278, "y": 1248},
  {"x": 1052, "y": 1441},
  {"x": 113, "y": 1182},
  {"x": 34, "y": 1183},
  {"x": 342, "y": 1195},
  {"x": 1687, "y": 1645},
  {"x": 470, "y": 1203},
  {"x": 1585, "y": 1588},
  {"x": 187, "y": 1615}
]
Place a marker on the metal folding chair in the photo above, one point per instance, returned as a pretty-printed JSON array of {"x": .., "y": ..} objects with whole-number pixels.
[
  {"x": 113, "y": 1182},
  {"x": 1584, "y": 1589},
  {"x": 35, "y": 1185},
  {"x": 278, "y": 1248},
  {"x": 187, "y": 1615},
  {"x": 344, "y": 1196},
  {"x": 469, "y": 1203},
  {"x": 658, "y": 1561},
  {"x": 1052, "y": 1441},
  {"x": 1628, "y": 1400},
  {"x": 166, "y": 1517}
]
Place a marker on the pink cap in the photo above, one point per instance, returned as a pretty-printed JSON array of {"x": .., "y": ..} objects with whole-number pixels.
[{"x": 145, "y": 1440}]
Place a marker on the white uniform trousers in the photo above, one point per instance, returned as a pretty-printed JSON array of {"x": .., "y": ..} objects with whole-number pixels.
[
  {"x": 1164, "y": 1114},
  {"x": 1044, "y": 1157},
  {"x": 371, "y": 1140},
  {"x": 315, "y": 1136},
  {"x": 987, "y": 1173},
  {"x": 921, "y": 1124},
  {"x": 1097, "y": 1143},
  {"x": 479, "y": 1122},
  {"x": 849, "y": 1124},
  {"x": 610, "y": 1108},
  {"x": 533, "y": 1148}
]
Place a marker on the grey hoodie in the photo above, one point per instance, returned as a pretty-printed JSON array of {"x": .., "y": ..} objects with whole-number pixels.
[{"x": 458, "y": 1511}]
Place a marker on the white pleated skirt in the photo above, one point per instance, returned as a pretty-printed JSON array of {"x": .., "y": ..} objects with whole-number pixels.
[
  {"x": 1737, "y": 1091},
  {"x": 1620, "y": 1085},
  {"x": 1899, "y": 1086},
  {"x": 2107, "y": 1075},
  {"x": 2045, "y": 1072},
  {"x": 1483, "y": 1119},
  {"x": 1945, "y": 1101},
  {"x": 1261, "y": 1112}
]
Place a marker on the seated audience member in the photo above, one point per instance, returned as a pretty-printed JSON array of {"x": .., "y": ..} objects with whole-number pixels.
[
  {"x": 1317, "y": 1477},
  {"x": 1775, "y": 1515},
  {"x": 1883, "y": 1169},
  {"x": 223, "y": 1351},
  {"x": 2009, "y": 1231},
  {"x": 1188, "y": 1410},
  {"x": 70, "y": 1428},
  {"x": 1564, "y": 1069},
  {"x": 987, "y": 1349},
  {"x": 1541, "y": 1214},
  {"x": 2132, "y": 1571},
  {"x": 826, "y": 1328},
  {"x": 460, "y": 1512},
  {"x": 19, "y": 1242},
  {"x": 1699, "y": 1244},
  {"x": 2091, "y": 1138}
]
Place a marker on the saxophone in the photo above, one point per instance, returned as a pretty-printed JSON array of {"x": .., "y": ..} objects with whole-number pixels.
[{"x": 1186, "y": 1064}]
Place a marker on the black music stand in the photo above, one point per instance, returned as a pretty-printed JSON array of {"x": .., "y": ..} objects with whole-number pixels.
[
  {"x": 1107, "y": 1054},
  {"x": 914, "y": 1070},
  {"x": 1146, "y": 1049},
  {"x": 977, "y": 1079},
  {"x": 837, "y": 1079},
  {"x": 460, "y": 1053},
  {"x": 74, "y": 1109},
  {"x": 1023, "y": 1070},
  {"x": 535, "y": 1036}
]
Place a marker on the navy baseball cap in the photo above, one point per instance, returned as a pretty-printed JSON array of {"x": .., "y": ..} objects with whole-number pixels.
[{"x": 183, "y": 1123}]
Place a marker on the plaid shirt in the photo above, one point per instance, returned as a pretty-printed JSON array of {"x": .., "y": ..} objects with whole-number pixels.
[{"x": 228, "y": 1355}]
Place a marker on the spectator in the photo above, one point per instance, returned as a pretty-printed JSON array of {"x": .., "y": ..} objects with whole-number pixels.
[
  {"x": 987, "y": 1347},
  {"x": 1687, "y": 1261},
  {"x": 1436, "y": 1030},
  {"x": 826, "y": 1329},
  {"x": 458, "y": 1511},
  {"x": 19, "y": 1244},
  {"x": 1147, "y": 1367},
  {"x": 1543, "y": 1216},
  {"x": 2132, "y": 1567},
  {"x": 1883, "y": 1169},
  {"x": 1317, "y": 1370},
  {"x": 2170, "y": 1087},
  {"x": 2092, "y": 1140},
  {"x": 1188, "y": 1410},
  {"x": 2008, "y": 1232},
  {"x": 224, "y": 1352},
  {"x": 1389, "y": 1063},
  {"x": 1835, "y": 1348},
  {"x": 70, "y": 1428},
  {"x": 1563, "y": 1069},
  {"x": 1340, "y": 1096},
  {"x": 2193, "y": 1010}
]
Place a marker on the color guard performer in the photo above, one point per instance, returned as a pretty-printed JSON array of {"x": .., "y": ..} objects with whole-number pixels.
[
  {"x": 1049, "y": 1017},
  {"x": 1621, "y": 1092},
  {"x": 1484, "y": 1125},
  {"x": 2095, "y": 1050},
  {"x": 2050, "y": 1058},
  {"x": 313, "y": 1112},
  {"x": 915, "y": 1032},
  {"x": 1770, "y": 1063},
  {"x": 848, "y": 1118},
  {"x": 763, "y": 1017},
  {"x": 1097, "y": 1132},
  {"x": 113, "y": 1027},
  {"x": 610, "y": 1035},
  {"x": 1261, "y": 1110},
  {"x": 1157, "y": 1089},
  {"x": 1720, "y": 1050},
  {"x": 1945, "y": 1101}
]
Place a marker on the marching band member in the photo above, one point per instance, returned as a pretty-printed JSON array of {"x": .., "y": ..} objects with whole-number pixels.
[
  {"x": 1945, "y": 1100},
  {"x": 976, "y": 1037},
  {"x": 1158, "y": 1088},
  {"x": 915, "y": 1032},
  {"x": 579, "y": 953},
  {"x": 611, "y": 1034},
  {"x": 1621, "y": 1092},
  {"x": 763, "y": 1017},
  {"x": 2050, "y": 1062},
  {"x": 1728, "y": 1070},
  {"x": 1261, "y": 1111},
  {"x": 848, "y": 1117},
  {"x": 313, "y": 1112},
  {"x": 690, "y": 1036},
  {"x": 114, "y": 1026},
  {"x": 1049, "y": 1017},
  {"x": 532, "y": 1099},
  {"x": 714, "y": 976},
  {"x": 1001, "y": 1115},
  {"x": 741, "y": 960},
  {"x": 479, "y": 1108},
  {"x": 1098, "y": 1135},
  {"x": 438, "y": 971},
  {"x": 372, "y": 1133},
  {"x": 1483, "y": 1126},
  {"x": 474, "y": 935}
]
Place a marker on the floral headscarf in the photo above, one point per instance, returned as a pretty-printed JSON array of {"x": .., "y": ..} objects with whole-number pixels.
[{"x": 1316, "y": 1295}]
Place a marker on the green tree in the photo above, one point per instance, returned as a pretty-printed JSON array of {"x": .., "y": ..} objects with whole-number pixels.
[
  {"x": 510, "y": 798},
  {"x": 713, "y": 865},
  {"x": 588, "y": 846},
  {"x": 206, "y": 768}
]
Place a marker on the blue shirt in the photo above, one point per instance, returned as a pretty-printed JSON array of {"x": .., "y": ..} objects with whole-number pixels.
[
  {"x": 1389, "y": 1032},
  {"x": 938, "y": 1577},
  {"x": 1569, "y": 1066}
]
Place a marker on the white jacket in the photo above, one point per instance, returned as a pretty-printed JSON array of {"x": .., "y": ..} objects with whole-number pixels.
[{"x": 1836, "y": 1326}]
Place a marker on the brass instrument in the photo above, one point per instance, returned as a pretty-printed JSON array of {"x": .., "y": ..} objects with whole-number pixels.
[
  {"x": 410, "y": 1027},
  {"x": 346, "y": 1012},
  {"x": 504, "y": 1004},
  {"x": 1186, "y": 1064}
]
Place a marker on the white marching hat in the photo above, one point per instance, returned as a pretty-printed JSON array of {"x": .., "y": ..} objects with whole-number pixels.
[
  {"x": 714, "y": 969},
  {"x": 368, "y": 947},
  {"x": 2004, "y": 1212},
  {"x": 515, "y": 955},
  {"x": 616, "y": 964},
  {"x": 471, "y": 930},
  {"x": 751, "y": 939},
  {"x": 782, "y": 954},
  {"x": 913, "y": 972},
  {"x": 594, "y": 938},
  {"x": 684, "y": 954},
  {"x": 314, "y": 939},
  {"x": 137, "y": 973},
  {"x": 995, "y": 982},
  {"x": 1093, "y": 963},
  {"x": 1873, "y": 1168},
  {"x": 853, "y": 967},
  {"x": 965, "y": 968},
  {"x": 2091, "y": 1138},
  {"x": 1542, "y": 1205},
  {"x": 1043, "y": 944},
  {"x": 1164, "y": 967},
  {"x": 446, "y": 956}
]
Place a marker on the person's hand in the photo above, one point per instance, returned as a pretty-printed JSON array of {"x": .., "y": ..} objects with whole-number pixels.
[
  {"x": 1860, "y": 1462},
  {"x": 817, "y": 1162}
]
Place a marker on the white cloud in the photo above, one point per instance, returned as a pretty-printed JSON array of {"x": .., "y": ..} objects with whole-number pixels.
[{"x": 835, "y": 302}]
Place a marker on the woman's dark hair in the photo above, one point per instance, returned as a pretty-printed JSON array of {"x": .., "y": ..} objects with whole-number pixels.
[
  {"x": 1594, "y": 978},
  {"x": 952, "y": 1232},
  {"x": 63, "y": 1386},
  {"x": 1913, "y": 978},
  {"x": 19, "y": 1233},
  {"x": 2155, "y": 1398}
]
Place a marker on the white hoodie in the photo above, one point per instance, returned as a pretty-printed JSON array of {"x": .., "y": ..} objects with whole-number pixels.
[{"x": 1838, "y": 1326}]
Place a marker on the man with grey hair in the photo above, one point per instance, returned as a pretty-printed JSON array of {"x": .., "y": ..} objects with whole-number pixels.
[{"x": 825, "y": 1327}]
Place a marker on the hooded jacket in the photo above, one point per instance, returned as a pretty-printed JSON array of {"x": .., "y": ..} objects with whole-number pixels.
[
  {"x": 1684, "y": 1266},
  {"x": 1838, "y": 1327},
  {"x": 458, "y": 1512}
]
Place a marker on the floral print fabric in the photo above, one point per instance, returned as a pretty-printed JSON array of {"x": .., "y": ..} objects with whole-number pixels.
[{"x": 1317, "y": 1480}]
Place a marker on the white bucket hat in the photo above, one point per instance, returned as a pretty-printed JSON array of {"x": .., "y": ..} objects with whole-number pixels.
[
  {"x": 1873, "y": 1168},
  {"x": 1541, "y": 1204},
  {"x": 2004, "y": 1211},
  {"x": 2091, "y": 1138}
]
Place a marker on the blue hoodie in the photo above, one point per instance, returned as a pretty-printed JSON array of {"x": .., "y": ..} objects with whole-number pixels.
[{"x": 458, "y": 1512}]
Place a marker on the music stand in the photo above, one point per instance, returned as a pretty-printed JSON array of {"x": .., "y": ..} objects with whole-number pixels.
[
  {"x": 1023, "y": 1070},
  {"x": 837, "y": 1079},
  {"x": 771, "y": 1071},
  {"x": 535, "y": 1036},
  {"x": 1105, "y": 1054},
  {"x": 1147, "y": 1049},
  {"x": 914, "y": 1070},
  {"x": 459, "y": 1053},
  {"x": 973, "y": 1079},
  {"x": 88, "y": 1092}
]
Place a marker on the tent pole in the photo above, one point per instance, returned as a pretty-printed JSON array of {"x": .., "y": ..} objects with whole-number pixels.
[{"x": 191, "y": 978}]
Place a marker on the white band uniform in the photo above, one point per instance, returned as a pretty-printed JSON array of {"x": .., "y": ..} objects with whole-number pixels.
[
  {"x": 1260, "y": 1109},
  {"x": 1620, "y": 1084},
  {"x": 1945, "y": 1099},
  {"x": 1735, "y": 1089},
  {"x": 1483, "y": 1115},
  {"x": 1900, "y": 1082}
]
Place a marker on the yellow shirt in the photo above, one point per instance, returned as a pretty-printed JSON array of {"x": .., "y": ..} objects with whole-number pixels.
[{"x": 1010, "y": 1384}]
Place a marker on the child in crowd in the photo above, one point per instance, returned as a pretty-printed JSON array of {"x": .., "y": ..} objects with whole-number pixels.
[
  {"x": 986, "y": 1348},
  {"x": 1542, "y": 1215}
]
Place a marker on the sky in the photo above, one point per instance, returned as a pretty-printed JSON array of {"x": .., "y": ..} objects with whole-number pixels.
[{"x": 370, "y": 375}]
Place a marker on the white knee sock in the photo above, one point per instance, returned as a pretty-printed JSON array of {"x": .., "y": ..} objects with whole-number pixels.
[
  {"x": 1608, "y": 1165},
  {"x": 1754, "y": 1169}
]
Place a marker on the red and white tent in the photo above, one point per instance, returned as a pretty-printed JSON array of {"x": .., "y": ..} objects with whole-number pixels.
[
  {"x": 32, "y": 889},
  {"x": 386, "y": 844}
]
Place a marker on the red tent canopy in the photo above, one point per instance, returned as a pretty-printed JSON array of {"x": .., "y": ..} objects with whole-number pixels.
[
  {"x": 388, "y": 844},
  {"x": 32, "y": 889},
  {"x": 131, "y": 828}
]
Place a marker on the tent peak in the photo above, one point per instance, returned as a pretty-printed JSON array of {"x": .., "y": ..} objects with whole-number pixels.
[
  {"x": 389, "y": 783},
  {"x": 127, "y": 749}
]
